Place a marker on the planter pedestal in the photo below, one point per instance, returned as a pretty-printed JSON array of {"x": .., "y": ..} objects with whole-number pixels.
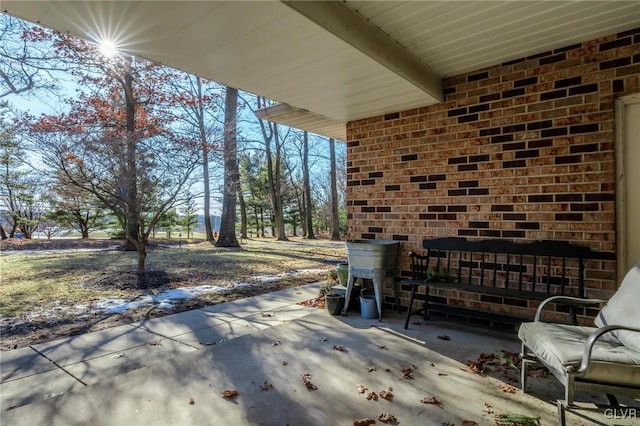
[{"x": 374, "y": 260}]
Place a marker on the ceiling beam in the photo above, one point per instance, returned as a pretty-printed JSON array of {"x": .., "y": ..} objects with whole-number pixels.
[{"x": 347, "y": 25}]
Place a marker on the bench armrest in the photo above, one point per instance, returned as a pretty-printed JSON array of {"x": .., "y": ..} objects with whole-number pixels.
[
  {"x": 566, "y": 300},
  {"x": 593, "y": 338}
]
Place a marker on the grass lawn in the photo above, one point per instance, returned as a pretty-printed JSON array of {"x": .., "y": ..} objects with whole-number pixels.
[{"x": 38, "y": 288}]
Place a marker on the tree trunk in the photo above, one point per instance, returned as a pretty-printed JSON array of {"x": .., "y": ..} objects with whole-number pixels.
[
  {"x": 227, "y": 237},
  {"x": 131, "y": 184},
  {"x": 208, "y": 231},
  {"x": 308, "y": 208},
  {"x": 3, "y": 234},
  {"x": 335, "y": 225},
  {"x": 243, "y": 214},
  {"x": 277, "y": 188}
]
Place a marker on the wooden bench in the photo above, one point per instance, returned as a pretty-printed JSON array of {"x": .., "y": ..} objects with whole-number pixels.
[{"x": 503, "y": 272}]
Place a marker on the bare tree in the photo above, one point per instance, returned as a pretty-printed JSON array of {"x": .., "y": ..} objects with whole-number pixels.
[
  {"x": 308, "y": 210},
  {"x": 335, "y": 226},
  {"x": 227, "y": 236},
  {"x": 27, "y": 60},
  {"x": 272, "y": 139}
]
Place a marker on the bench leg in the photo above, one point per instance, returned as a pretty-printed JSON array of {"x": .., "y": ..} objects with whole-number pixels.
[
  {"x": 425, "y": 306},
  {"x": 410, "y": 307}
]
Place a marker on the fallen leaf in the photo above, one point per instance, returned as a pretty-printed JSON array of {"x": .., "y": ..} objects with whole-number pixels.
[
  {"x": 364, "y": 422},
  {"x": 488, "y": 408},
  {"x": 387, "y": 394},
  {"x": 285, "y": 363},
  {"x": 407, "y": 373},
  {"x": 266, "y": 386},
  {"x": 361, "y": 388},
  {"x": 477, "y": 367},
  {"x": 387, "y": 418},
  {"x": 444, "y": 337},
  {"x": 469, "y": 423},
  {"x": 191, "y": 401},
  {"x": 372, "y": 395},
  {"x": 306, "y": 379},
  {"x": 431, "y": 400},
  {"x": 229, "y": 394},
  {"x": 371, "y": 369},
  {"x": 339, "y": 348},
  {"x": 507, "y": 388},
  {"x": 431, "y": 364}
]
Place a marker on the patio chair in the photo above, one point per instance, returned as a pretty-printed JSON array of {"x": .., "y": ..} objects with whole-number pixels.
[{"x": 604, "y": 358}]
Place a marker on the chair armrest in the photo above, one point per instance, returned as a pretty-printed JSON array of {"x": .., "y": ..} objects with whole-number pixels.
[
  {"x": 566, "y": 300},
  {"x": 593, "y": 338}
]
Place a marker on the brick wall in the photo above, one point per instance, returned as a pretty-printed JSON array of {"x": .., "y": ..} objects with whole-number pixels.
[{"x": 523, "y": 150}]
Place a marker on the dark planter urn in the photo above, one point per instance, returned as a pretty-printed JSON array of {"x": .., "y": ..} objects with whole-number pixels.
[{"x": 335, "y": 303}]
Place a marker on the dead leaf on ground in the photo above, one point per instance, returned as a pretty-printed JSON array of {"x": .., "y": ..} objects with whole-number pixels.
[
  {"x": 266, "y": 386},
  {"x": 371, "y": 369},
  {"x": 432, "y": 400},
  {"x": 191, "y": 401},
  {"x": 387, "y": 418},
  {"x": 339, "y": 348},
  {"x": 444, "y": 337},
  {"x": 229, "y": 394},
  {"x": 507, "y": 388},
  {"x": 387, "y": 394},
  {"x": 364, "y": 422},
  {"x": 407, "y": 373},
  {"x": 285, "y": 363},
  {"x": 361, "y": 388},
  {"x": 372, "y": 395},
  {"x": 469, "y": 423},
  {"x": 477, "y": 367},
  {"x": 431, "y": 364},
  {"x": 306, "y": 378},
  {"x": 488, "y": 408}
]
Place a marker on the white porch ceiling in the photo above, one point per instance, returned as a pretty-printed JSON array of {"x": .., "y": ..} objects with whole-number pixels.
[{"x": 333, "y": 62}]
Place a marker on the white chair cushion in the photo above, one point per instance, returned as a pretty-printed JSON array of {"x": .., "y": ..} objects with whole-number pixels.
[
  {"x": 624, "y": 309},
  {"x": 560, "y": 347}
]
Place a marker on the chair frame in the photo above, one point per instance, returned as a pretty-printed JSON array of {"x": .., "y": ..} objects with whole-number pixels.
[{"x": 573, "y": 380}]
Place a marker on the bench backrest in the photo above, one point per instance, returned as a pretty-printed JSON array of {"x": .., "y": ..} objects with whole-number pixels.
[{"x": 546, "y": 267}]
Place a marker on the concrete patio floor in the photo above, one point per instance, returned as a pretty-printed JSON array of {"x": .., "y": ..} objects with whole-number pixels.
[{"x": 285, "y": 362}]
